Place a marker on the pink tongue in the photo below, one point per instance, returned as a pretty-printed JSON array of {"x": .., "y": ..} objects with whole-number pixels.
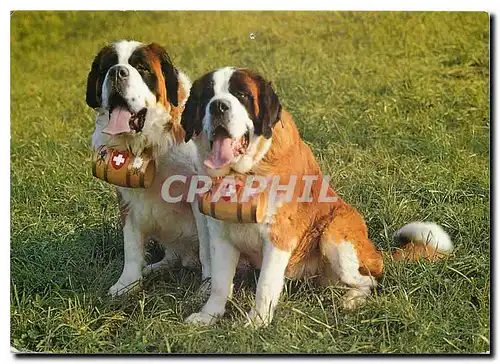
[
  {"x": 221, "y": 154},
  {"x": 118, "y": 122}
]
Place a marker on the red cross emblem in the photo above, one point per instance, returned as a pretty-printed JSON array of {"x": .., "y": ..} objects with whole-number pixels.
[
  {"x": 118, "y": 159},
  {"x": 229, "y": 189}
]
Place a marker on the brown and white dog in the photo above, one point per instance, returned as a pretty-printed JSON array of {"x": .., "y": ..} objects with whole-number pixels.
[
  {"x": 243, "y": 130},
  {"x": 139, "y": 96}
]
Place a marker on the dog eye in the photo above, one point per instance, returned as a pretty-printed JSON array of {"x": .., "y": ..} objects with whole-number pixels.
[{"x": 241, "y": 95}]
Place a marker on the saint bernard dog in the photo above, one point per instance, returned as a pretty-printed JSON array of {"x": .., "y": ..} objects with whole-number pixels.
[
  {"x": 139, "y": 96},
  {"x": 236, "y": 118}
]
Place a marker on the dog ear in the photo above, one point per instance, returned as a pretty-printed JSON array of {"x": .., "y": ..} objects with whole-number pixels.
[
  {"x": 269, "y": 108},
  {"x": 170, "y": 73},
  {"x": 192, "y": 117},
  {"x": 93, "y": 97}
]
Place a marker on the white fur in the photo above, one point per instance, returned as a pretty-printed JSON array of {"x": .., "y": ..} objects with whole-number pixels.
[
  {"x": 186, "y": 84},
  {"x": 344, "y": 261},
  {"x": 221, "y": 79},
  {"x": 125, "y": 48},
  {"x": 427, "y": 233},
  {"x": 134, "y": 258},
  {"x": 224, "y": 258},
  {"x": 179, "y": 227},
  {"x": 348, "y": 265},
  {"x": 270, "y": 284}
]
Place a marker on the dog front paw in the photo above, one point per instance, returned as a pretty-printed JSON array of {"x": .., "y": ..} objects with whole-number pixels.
[
  {"x": 256, "y": 320},
  {"x": 353, "y": 299},
  {"x": 120, "y": 288},
  {"x": 201, "y": 318}
]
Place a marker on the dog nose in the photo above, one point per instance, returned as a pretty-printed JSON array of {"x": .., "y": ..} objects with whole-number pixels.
[
  {"x": 218, "y": 107},
  {"x": 119, "y": 72},
  {"x": 123, "y": 72}
]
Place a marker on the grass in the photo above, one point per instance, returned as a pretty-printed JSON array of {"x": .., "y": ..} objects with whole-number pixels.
[{"x": 395, "y": 106}]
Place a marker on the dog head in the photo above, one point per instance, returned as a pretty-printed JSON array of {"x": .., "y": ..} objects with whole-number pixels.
[
  {"x": 132, "y": 84},
  {"x": 236, "y": 109}
]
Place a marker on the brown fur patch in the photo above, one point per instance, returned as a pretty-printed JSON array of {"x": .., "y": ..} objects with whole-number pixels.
[
  {"x": 416, "y": 251},
  {"x": 176, "y": 130},
  {"x": 176, "y": 111},
  {"x": 152, "y": 51},
  {"x": 250, "y": 80},
  {"x": 308, "y": 245}
]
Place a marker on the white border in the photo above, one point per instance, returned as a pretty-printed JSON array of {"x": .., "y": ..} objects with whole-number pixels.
[{"x": 423, "y": 5}]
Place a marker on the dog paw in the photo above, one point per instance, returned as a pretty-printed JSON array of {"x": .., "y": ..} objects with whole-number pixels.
[
  {"x": 201, "y": 318},
  {"x": 206, "y": 287},
  {"x": 256, "y": 320},
  {"x": 353, "y": 299},
  {"x": 120, "y": 288}
]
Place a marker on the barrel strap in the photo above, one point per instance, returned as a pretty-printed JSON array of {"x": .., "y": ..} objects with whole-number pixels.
[
  {"x": 129, "y": 172},
  {"x": 145, "y": 163},
  {"x": 239, "y": 212},
  {"x": 106, "y": 165},
  {"x": 212, "y": 209},
  {"x": 253, "y": 210}
]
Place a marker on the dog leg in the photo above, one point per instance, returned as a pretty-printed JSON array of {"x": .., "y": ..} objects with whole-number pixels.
[
  {"x": 346, "y": 263},
  {"x": 224, "y": 260},
  {"x": 270, "y": 284},
  {"x": 133, "y": 241},
  {"x": 204, "y": 250}
]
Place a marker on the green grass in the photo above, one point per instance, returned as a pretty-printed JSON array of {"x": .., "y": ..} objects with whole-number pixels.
[{"x": 394, "y": 106}]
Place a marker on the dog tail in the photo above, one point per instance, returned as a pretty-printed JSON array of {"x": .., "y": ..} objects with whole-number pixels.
[{"x": 422, "y": 240}]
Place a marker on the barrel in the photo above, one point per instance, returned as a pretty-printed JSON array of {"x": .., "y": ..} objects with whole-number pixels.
[
  {"x": 251, "y": 211},
  {"x": 123, "y": 168}
]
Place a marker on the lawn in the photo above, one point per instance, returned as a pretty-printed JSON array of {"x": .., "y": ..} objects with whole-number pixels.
[{"x": 395, "y": 107}]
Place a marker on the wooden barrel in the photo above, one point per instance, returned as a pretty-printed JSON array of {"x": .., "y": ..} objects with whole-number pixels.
[
  {"x": 251, "y": 211},
  {"x": 123, "y": 168}
]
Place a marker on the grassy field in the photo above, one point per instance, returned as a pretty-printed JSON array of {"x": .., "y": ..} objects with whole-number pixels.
[{"x": 394, "y": 106}]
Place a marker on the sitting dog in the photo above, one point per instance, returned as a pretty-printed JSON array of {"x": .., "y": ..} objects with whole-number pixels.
[
  {"x": 139, "y": 96},
  {"x": 242, "y": 130}
]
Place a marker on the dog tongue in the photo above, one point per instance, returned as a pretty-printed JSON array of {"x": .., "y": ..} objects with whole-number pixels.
[
  {"x": 221, "y": 154},
  {"x": 118, "y": 121}
]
